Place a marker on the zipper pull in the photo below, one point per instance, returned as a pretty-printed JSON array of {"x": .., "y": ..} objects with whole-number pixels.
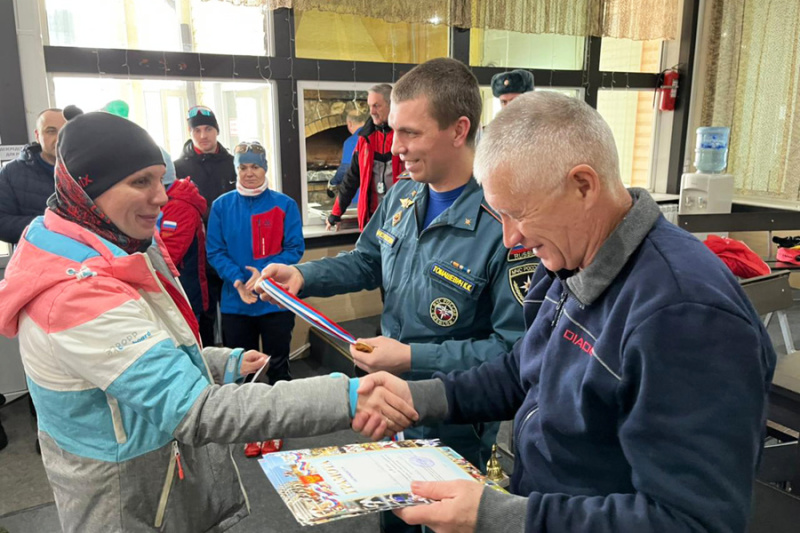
[
  {"x": 177, "y": 453},
  {"x": 559, "y": 307}
]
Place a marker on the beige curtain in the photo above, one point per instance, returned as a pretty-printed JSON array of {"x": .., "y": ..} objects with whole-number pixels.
[
  {"x": 752, "y": 85},
  {"x": 626, "y": 19}
]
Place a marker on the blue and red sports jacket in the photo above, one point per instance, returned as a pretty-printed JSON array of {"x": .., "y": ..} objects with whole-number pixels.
[
  {"x": 252, "y": 231},
  {"x": 373, "y": 143}
]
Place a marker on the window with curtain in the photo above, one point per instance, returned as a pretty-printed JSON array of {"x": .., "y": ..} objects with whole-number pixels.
[
  {"x": 346, "y": 37},
  {"x": 626, "y": 55},
  {"x": 631, "y": 117},
  {"x": 500, "y": 48},
  {"x": 169, "y": 25},
  {"x": 752, "y": 85},
  {"x": 491, "y": 105},
  {"x": 243, "y": 109}
]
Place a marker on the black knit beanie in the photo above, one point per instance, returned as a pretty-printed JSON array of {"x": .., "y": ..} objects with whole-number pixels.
[
  {"x": 100, "y": 150},
  {"x": 202, "y": 116}
]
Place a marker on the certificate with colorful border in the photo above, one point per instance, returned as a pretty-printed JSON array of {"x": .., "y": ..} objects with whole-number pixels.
[{"x": 323, "y": 484}]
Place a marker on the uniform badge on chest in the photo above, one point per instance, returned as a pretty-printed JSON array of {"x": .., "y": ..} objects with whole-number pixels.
[
  {"x": 520, "y": 279},
  {"x": 444, "y": 312},
  {"x": 396, "y": 218}
]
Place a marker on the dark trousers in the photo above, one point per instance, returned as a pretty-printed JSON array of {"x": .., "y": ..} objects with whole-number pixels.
[
  {"x": 206, "y": 319},
  {"x": 275, "y": 332}
]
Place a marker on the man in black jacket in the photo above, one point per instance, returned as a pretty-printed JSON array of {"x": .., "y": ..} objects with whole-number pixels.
[
  {"x": 27, "y": 182},
  {"x": 211, "y": 168},
  {"x": 204, "y": 159}
]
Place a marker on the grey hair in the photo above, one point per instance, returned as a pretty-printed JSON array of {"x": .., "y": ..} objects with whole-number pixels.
[
  {"x": 356, "y": 117},
  {"x": 383, "y": 89},
  {"x": 540, "y": 136}
]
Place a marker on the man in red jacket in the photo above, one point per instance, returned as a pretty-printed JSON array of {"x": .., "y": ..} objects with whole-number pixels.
[{"x": 373, "y": 169}]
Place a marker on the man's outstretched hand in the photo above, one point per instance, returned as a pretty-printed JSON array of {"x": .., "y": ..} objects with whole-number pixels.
[
  {"x": 384, "y": 406},
  {"x": 286, "y": 276}
]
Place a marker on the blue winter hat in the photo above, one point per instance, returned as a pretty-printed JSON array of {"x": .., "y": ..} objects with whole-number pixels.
[
  {"x": 250, "y": 153},
  {"x": 169, "y": 175}
]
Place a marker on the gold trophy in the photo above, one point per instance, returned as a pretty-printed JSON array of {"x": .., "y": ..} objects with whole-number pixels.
[{"x": 494, "y": 471}]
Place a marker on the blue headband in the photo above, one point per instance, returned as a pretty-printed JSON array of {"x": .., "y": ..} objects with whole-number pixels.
[{"x": 250, "y": 157}]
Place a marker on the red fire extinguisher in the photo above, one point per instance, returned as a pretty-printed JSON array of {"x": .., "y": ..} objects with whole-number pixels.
[{"x": 668, "y": 89}]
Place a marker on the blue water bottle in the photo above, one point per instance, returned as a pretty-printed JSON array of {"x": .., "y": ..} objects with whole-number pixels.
[{"x": 711, "y": 149}]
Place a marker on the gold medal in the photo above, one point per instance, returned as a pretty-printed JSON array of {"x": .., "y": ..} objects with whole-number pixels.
[
  {"x": 396, "y": 218},
  {"x": 406, "y": 202}
]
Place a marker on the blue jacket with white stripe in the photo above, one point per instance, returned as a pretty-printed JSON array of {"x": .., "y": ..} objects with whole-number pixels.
[{"x": 639, "y": 391}]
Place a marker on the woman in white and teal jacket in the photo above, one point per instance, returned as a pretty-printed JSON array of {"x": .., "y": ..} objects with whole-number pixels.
[{"x": 133, "y": 428}]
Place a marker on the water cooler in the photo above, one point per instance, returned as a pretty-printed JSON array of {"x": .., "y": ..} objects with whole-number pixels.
[
  {"x": 708, "y": 191},
  {"x": 704, "y": 194}
]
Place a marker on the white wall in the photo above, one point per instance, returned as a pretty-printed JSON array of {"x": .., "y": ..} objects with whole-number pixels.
[{"x": 31, "y": 24}]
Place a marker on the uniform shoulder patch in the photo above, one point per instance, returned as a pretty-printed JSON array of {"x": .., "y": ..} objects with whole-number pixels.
[
  {"x": 405, "y": 175},
  {"x": 519, "y": 253},
  {"x": 520, "y": 278}
]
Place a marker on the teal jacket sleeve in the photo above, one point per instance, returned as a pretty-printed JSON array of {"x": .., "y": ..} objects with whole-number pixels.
[
  {"x": 351, "y": 271},
  {"x": 217, "y": 250},
  {"x": 507, "y": 326}
]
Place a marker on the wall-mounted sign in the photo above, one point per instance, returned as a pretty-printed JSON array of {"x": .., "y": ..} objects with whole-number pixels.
[{"x": 9, "y": 152}]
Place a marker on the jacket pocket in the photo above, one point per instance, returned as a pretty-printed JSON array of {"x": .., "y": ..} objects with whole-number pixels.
[
  {"x": 174, "y": 460},
  {"x": 450, "y": 276},
  {"x": 390, "y": 241},
  {"x": 521, "y": 426},
  {"x": 267, "y": 232},
  {"x": 449, "y": 298},
  {"x": 116, "y": 419}
]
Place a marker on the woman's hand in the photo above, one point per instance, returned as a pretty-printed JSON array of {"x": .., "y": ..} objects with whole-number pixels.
[
  {"x": 252, "y": 360},
  {"x": 247, "y": 296},
  {"x": 255, "y": 276}
]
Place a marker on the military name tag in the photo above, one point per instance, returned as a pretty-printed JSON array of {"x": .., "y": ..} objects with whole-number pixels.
[
  {"x": 520, "y": 254},
  {"x": 386, "y": 237},
  {"x": 520, "y": 278},
  {"x": 439, "y": 272}
]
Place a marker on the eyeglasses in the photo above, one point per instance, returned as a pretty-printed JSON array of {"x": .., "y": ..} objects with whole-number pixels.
[
  {"x": 199, "y": 109},
  {"x": 245, "y": 147}
]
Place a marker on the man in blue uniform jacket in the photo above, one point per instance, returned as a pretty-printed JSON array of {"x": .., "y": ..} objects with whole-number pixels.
[
  {"x": 453, "y": 291},
  {"x": 639, "y": 389}
]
